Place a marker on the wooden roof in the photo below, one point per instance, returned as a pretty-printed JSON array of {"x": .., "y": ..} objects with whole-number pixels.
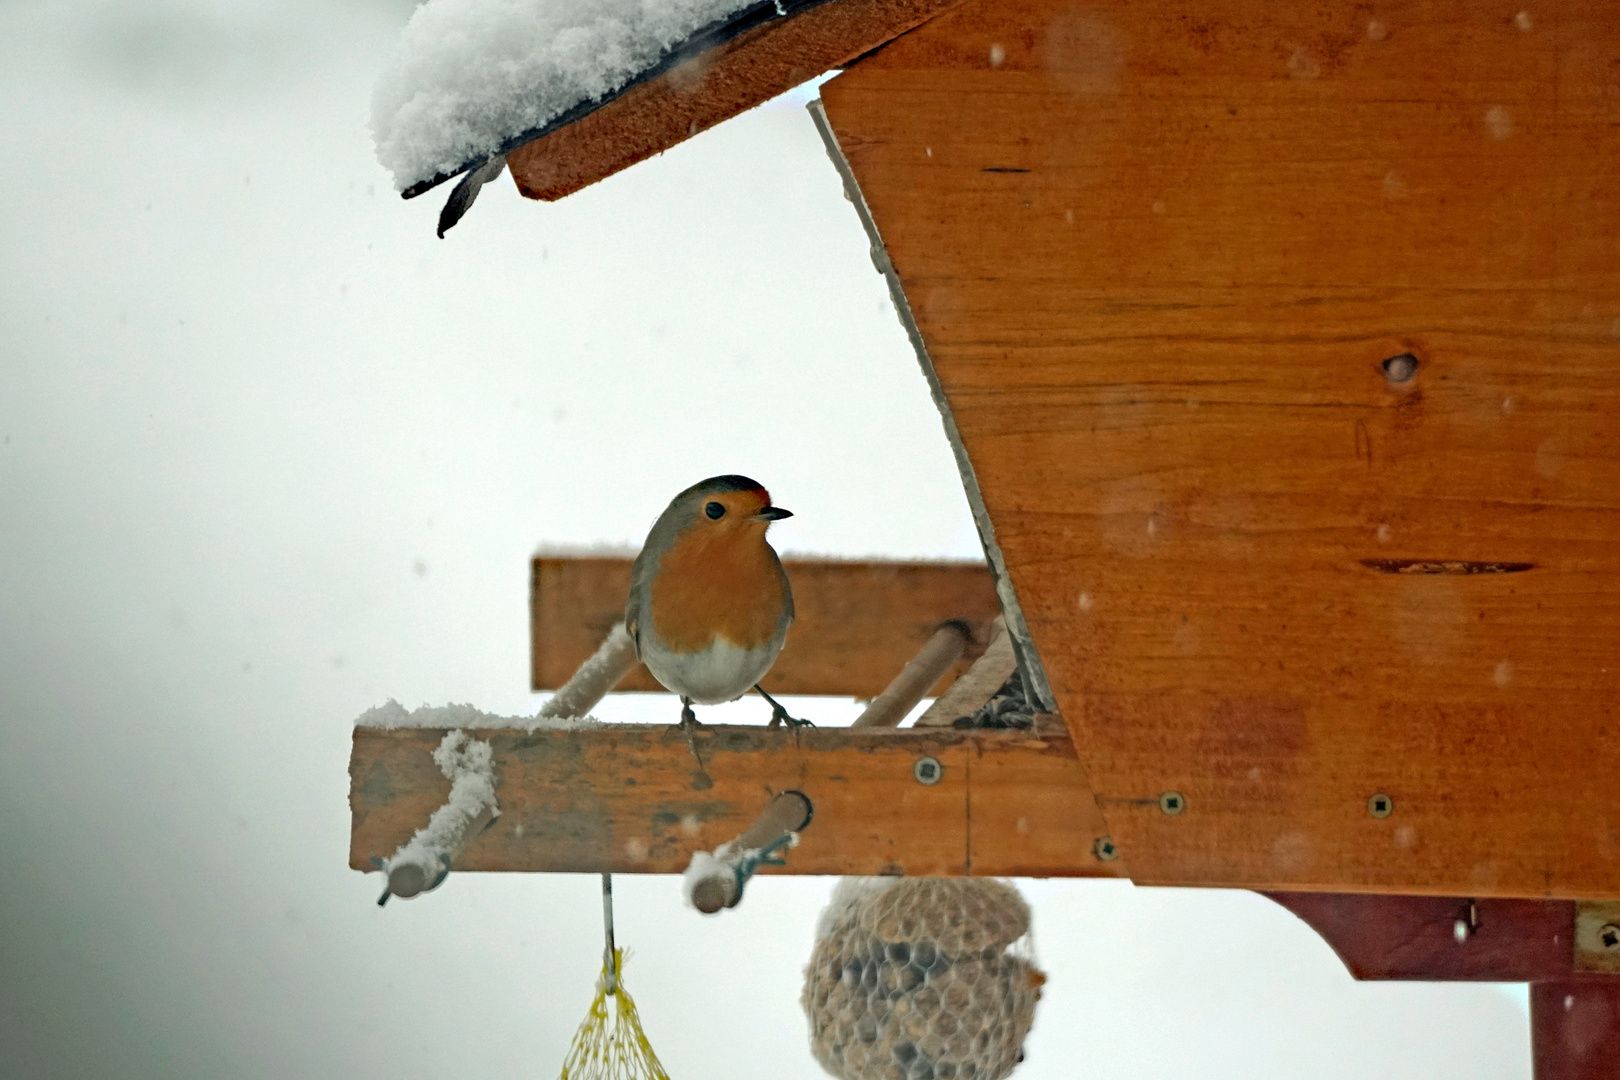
[{"x": 725, "y": 68}]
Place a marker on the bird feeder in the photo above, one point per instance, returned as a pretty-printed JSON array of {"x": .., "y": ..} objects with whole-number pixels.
[{"x": 1279, "y": 349}]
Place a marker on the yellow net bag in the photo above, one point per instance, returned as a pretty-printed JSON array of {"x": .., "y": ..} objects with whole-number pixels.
[{"x": 610, "y": 1044}]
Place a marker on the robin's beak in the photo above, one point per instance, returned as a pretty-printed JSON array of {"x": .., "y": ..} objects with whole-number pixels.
[{"x": 773, "y": 513}]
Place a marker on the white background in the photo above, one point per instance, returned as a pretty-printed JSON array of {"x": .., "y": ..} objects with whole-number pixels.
[{"x": 271, "y": 453}]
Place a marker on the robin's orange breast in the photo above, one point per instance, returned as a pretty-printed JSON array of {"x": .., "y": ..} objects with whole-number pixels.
[{"x": 707, "y": 586}]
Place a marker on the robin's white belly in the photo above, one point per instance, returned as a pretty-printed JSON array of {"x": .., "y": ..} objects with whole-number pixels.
[{"x": 722, "y": 672}]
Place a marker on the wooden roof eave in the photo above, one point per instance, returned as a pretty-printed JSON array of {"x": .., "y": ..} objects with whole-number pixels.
[{"x": 724, "y": 69}]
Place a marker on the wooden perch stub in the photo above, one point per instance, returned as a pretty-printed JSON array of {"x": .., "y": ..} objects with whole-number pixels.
[
  {"x": 408, "y": 879},
  {"x": 629, "y": 798},
  {"x": 922, "y": 671},
  {"x": 421, "y": 862},
  {"x": 732, "y": 863}
]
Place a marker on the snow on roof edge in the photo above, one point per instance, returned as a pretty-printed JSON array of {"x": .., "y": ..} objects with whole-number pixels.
[{"x": 475, "y": 78}]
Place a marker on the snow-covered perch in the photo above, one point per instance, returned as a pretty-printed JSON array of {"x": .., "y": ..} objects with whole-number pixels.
[
  {"x": 421, "y": 864},
  {"x": 611, "y": 662},
  {"x": 715, "y": 879}
]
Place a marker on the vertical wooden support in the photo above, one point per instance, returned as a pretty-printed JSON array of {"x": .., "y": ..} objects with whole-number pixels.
[
  {"x": 1574, "y": 1013},
  {"x": 1575, "y": 1029}
]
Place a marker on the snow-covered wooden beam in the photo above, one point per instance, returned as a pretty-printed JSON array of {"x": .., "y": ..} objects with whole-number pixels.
[
  {"x": 858, "y": 622},
  {"x": 718, "y": 82},
  {"x": 634, "y": 798}
]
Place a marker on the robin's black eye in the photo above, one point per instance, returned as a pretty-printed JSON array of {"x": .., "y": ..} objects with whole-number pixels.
[{"x": 715, "y": 511}]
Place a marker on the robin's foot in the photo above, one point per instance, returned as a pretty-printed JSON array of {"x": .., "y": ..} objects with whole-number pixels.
[
  {"x": 779, "y": 715},
  {"x": 689, "y": 724}
]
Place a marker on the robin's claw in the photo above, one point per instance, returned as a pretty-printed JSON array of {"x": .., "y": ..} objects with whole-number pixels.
[
  {"x": 689, "y": 721},
  {"x": 779, "y": 715}
]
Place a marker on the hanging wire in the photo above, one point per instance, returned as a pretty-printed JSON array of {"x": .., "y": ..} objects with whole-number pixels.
[
  {"x": 610, "y": 1044},
  {"x": 610, "y": 955}
]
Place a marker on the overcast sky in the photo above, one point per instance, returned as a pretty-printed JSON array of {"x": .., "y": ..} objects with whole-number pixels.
[{"x": 271, "y": 453}]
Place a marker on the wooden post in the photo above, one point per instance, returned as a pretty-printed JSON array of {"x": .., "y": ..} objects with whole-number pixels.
[
  {"x": 936, "y": 656},
  {"x": 1574, "y": 1012},
  {"x": 1575, "y": 1029}
]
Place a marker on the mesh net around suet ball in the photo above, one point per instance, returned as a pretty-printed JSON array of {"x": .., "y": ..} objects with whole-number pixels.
[
  {"x": 610, "y": 1044},
  {"x": 921, "y": 979}
]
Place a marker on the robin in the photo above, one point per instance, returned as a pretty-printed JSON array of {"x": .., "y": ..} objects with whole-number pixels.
[{"x": 710, "y": 604}]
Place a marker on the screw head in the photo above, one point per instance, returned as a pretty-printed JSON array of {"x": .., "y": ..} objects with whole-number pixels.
[
  {"x": 1609, "y": 935},
  {"x": 1172, "y": 803},
  {"x": 927, "y": 770},
  {"x": 1401, "y": 368},
  {"x": 1104, "y": 849},
  {"x": 1380, "y": 805}
]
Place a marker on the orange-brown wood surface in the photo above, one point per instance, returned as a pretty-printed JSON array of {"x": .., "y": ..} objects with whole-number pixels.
[
  {"x": 858, "y": 623},
  {"x": 1158, "y": 251},
  {"x": 633, "y": 799},
  {"x": 752, "y": 68}
]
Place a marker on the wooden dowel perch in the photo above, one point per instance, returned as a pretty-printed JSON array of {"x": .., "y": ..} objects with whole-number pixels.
[
  {"x": 978, "y": 684},
  {"x": 594, "y": 679},
  {"x": 935, "y": 658},
  {"x": 423, "y": 861},
  {"x": 716, "y": 881},
  {"x": 420, "y": 865},
  {"x": 409, "y": 877}
]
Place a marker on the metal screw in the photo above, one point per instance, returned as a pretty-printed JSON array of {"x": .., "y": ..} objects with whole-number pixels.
[
  {"x": 1104, "y": 849},
  {"x": 1172, "y": 803},
  {"x": 1609, "y": 935},
  {"x": 927, "y": 770},
  {"x": 1380, "y": 805},
  {"x": 1399, "y": 369},
  {"x": 1467, "y": 924}
]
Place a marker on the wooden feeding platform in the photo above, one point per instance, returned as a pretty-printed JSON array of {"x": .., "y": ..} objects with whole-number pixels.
[{"x": 1279, "y": 349}]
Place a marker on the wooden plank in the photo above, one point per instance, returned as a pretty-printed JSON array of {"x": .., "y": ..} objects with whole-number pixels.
[
  {"x": 752, "y": 68},
  {"x": 1157, "y": 251},
  {"x": 858, "y": 623},
  {"x": 632, "y": 799},
  {"x": 1414, "y": 937}
]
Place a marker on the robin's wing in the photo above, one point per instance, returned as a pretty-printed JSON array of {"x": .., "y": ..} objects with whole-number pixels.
[
  {"x": 640, "y": 584},
  {"x": 787, "y": 589}
]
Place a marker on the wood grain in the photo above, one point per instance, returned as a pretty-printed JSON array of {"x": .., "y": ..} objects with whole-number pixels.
[
  {"x": 746, "y": 71},
  {"x": 1157, "y": 251},
  {"x": 858, "y": 624},
  {"x": 632, "y": 799}
]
